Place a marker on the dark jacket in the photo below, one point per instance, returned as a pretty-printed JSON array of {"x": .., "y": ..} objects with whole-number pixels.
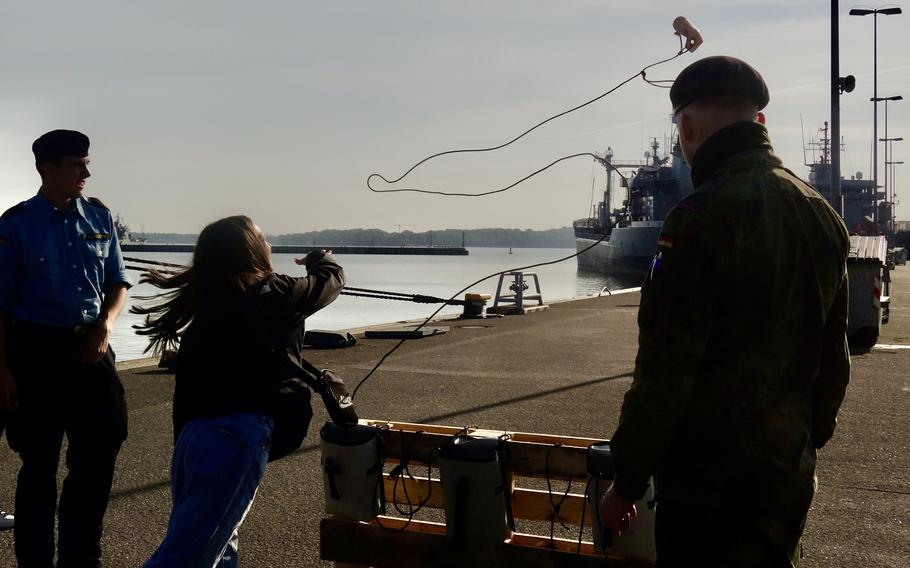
[
  {"x": 241, "y": 345},
  {"x": 742, "y": 361}
]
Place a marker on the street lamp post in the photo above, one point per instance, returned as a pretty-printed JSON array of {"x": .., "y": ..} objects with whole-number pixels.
[
  {"x": 889, "y": 151},
  {"x": 875, "y": 12},
  {"x": 894, "y": 194},
  {"x": 886, "y": 139}
]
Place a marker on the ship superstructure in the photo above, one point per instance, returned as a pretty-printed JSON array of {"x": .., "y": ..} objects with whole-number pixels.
[
  {"x": 628, "y": 234},
  {"x": 865, "y": 210}
]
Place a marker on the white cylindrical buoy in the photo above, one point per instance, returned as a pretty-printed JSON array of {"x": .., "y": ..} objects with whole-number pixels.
[
  {"x": 637, "y": 541},
  {"x": 477, "y": 511},
  {"x": 351, "y": 471}
]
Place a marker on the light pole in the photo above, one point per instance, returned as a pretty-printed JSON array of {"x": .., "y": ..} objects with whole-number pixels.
[
  {"x": 885, "y": 139},
  {"x": 875, "y": 12},
  {"x": 893, "y": 185},
  {"x": 889, "y": 151}
]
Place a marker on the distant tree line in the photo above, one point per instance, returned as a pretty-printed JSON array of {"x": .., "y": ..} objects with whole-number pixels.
[{"x": 528, "y": 238}]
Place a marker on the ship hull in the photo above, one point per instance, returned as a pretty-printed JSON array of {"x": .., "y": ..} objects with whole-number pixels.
[{"x": 628, "y": 251}]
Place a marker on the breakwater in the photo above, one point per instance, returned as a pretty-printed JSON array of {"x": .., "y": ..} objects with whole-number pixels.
[{"x": 304, "y": 249}]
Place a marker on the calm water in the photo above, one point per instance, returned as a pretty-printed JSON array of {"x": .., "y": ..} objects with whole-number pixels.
[{"x": 440, "y": 276}]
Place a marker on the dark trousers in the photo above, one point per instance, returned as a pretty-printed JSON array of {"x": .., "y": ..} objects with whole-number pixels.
[
  {"x": 57, "y": 396},
  {"x": 690, "y": 533}
]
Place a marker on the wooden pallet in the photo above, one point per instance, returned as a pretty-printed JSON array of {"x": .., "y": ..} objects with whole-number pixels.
[{"x": 394, "y": 542}]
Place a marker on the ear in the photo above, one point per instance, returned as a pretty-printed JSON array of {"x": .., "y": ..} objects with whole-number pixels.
[
  {"x": 761, "y": 118},
  {"x": 685, "y": 126}
]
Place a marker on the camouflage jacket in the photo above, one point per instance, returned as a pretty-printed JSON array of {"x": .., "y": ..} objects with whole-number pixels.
[{"x": 742, "y": 361}]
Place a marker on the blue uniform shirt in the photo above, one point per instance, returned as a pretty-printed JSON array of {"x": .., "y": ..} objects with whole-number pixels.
[{"x": 55, "y": 266}]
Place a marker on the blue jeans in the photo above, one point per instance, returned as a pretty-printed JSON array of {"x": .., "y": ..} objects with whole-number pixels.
[{"x": 216, "y": 469}]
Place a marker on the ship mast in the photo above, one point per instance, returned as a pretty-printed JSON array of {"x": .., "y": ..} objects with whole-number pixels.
[
  {"x": 608, "y": 194},
  {"x": 826, "y": 151}
]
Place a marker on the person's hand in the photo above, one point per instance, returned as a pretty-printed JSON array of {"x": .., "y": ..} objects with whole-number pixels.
[
  {"x": 683, "y": 27},
  {"x": 312, "y": 257},
  {"x": 616, "y": 512},
  {"x": 94, "y": 346},
  {"x": 7, "y": 390}
]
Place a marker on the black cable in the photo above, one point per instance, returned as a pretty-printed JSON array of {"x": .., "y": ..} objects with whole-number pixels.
[
  {"x": 581, "y": 523},
  {"x": 641, "y": 73},
  {"x": 491, "y": 192},
  {"x": 403, "y": 468},
  {"x": 556, "y": 506},
  {"x": 466, "y": 288}
]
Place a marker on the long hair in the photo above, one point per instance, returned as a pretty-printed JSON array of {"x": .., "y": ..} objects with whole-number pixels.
[{"x": 227, "y": 251}]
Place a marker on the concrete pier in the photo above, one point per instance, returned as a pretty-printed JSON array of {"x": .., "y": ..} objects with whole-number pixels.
[
  {"x": 562, "y": 371},
  {"x": 303, "y": 249}
]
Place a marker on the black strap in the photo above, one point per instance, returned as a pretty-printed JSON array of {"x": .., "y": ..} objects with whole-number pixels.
[
  {"x": 331, "y": 470},
  {"x": 503, "y": 452},
  {"x": 606, "y": 535},
  {"x": 462, "y": 489}
]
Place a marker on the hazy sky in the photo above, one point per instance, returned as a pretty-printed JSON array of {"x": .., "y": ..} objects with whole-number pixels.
[{"x": 280, "y": 109}]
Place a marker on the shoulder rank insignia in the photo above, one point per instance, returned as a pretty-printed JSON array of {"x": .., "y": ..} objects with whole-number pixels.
[
  {"x": 13, "y": 210},
  {"x": 96, "y": 201},
  {"x": 96, "y": 236},
  {"x": 655, "y": 264},
  {"x": 665, "y": 241}
]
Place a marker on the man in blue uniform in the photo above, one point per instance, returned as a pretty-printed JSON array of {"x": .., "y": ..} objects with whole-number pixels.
[{"x": 63, "y": 285}]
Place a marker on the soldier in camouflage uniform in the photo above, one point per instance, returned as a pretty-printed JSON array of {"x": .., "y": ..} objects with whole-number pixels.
[{"x": 742, "y": 362}]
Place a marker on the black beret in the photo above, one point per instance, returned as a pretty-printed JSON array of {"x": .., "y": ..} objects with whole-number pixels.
[
  {"x": 718, "y": 76},
  {"x": 59, "y": 143}
]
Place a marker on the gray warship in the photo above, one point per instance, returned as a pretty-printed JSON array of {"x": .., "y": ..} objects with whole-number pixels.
[
  {"x": 866, "y": 212},
  {"x": 627, "y": 236}
]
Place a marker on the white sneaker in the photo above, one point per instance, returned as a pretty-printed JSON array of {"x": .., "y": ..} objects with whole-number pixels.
[{"x": 7, "y": 521}]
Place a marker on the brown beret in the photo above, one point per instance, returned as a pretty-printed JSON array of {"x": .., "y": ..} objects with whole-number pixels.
[
  {"x": 718, "y": 76},
  {"x": 59, "y": 143}
]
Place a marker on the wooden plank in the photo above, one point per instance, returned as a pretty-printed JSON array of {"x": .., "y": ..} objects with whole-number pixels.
[
  {"x": 535, "y": 505},
  {"x": 553, "y": 439},
  {"x": 398, "y": 524},
  {"x": 368, "y": 545},
  {"x": 394, "y": 541},
  {"x": 414, "y": 427},
  {"x": 547, "y": 460},
  {"x": 516, "y": 436},
  {"x": 528, "y": 459},
  {"x": 417, "y": 447},
  {"x": 571, "y": 546},
  {"x": 417, "y": 489},
  {"x": 530, "y": 504},
  {"x": 561, "y": 544}
]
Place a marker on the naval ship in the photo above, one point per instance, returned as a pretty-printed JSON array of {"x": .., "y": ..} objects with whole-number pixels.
[
  {"x": 627, "y": 236},
  {"x": 866, "y": 212},
  {"x": 124, "y": 235}
]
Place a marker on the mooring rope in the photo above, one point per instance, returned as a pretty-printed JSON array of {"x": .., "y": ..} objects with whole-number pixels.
[
  {"x": 346, "y": 291},
  {"x": 158, "y": 262}
]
